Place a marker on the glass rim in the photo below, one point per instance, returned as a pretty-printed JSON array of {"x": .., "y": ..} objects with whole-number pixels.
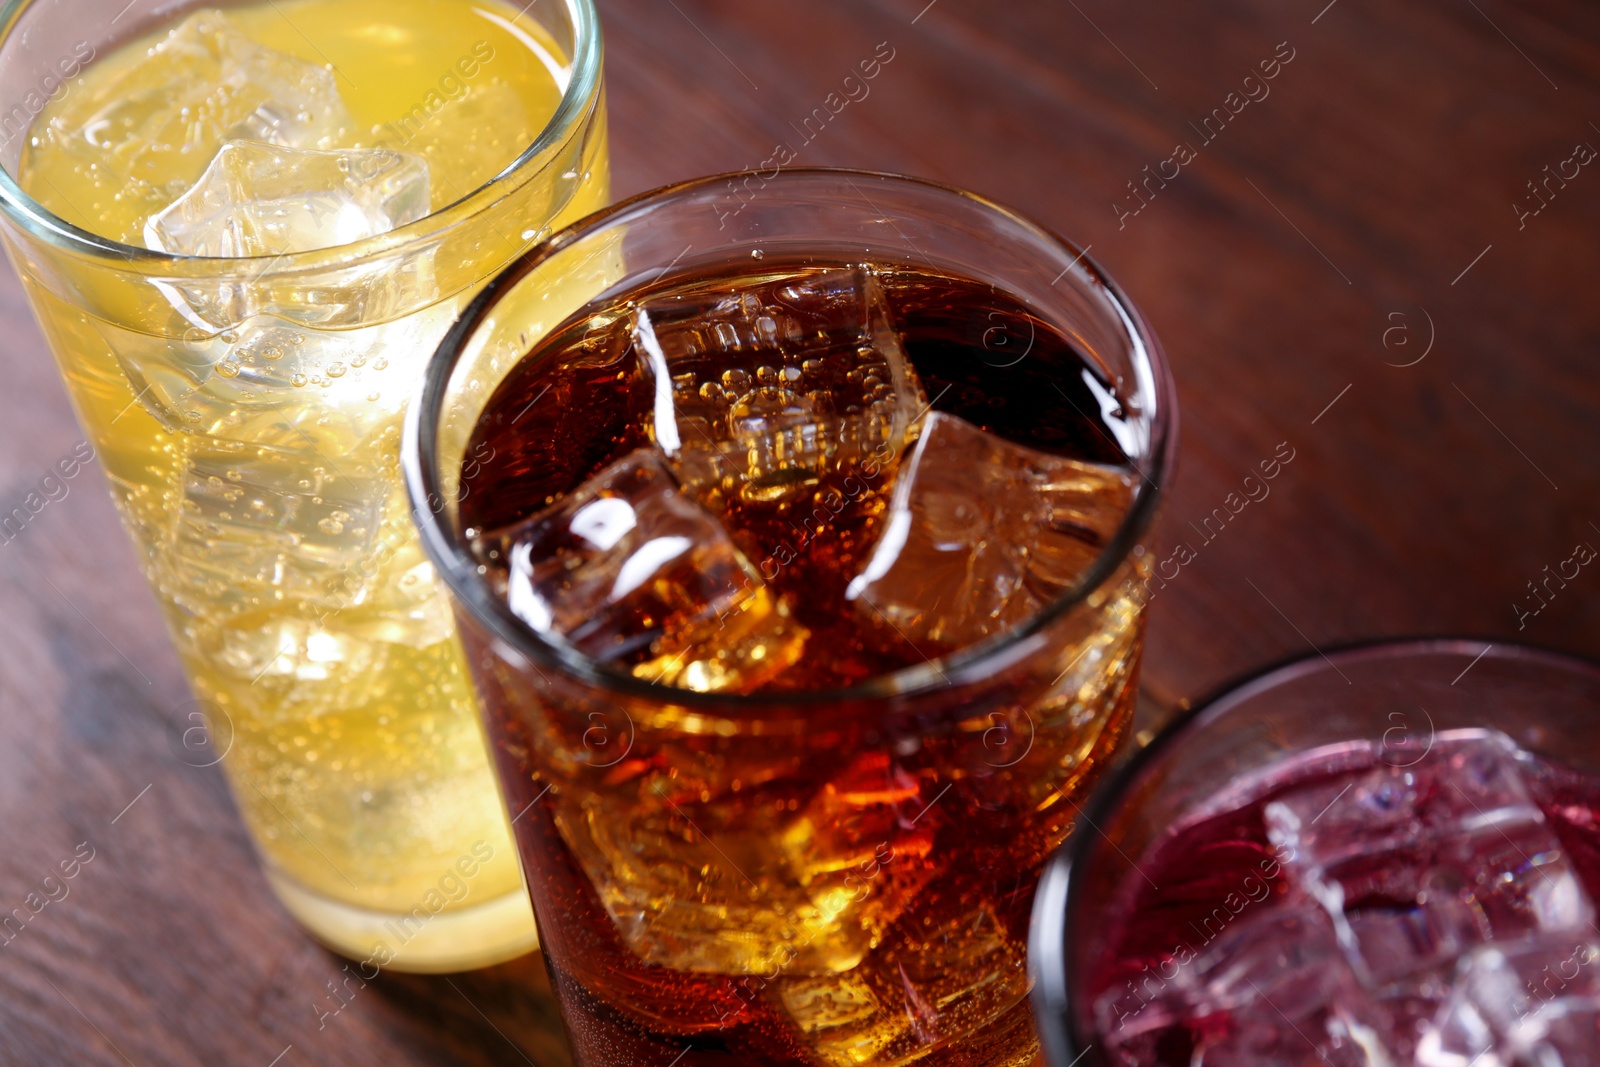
[
  {"x": 419, "y": 458},
  {"x": 1058, "y": 901},
  {"x": 582, "y": 91}
]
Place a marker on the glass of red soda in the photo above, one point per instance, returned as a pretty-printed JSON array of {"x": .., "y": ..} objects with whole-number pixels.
[{"x": 1387, "y": 855}]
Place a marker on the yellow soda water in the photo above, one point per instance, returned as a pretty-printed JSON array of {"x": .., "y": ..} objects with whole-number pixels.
[{"x": 256, "y": 464}]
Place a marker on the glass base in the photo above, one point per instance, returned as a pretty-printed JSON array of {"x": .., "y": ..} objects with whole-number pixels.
[{"x": 461, "y": 939}]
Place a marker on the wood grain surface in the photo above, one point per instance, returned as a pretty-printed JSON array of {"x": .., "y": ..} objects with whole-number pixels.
[{"x": 1341, "y": 267}]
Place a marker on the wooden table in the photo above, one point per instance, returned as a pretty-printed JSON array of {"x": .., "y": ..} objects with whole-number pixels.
[{"x": 1338, "y": 263}]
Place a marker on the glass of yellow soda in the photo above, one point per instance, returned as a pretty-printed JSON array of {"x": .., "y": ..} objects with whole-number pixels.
[{"x": 244, "y": 229}]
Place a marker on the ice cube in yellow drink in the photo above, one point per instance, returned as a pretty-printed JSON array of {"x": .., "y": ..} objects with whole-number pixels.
[{"x": 250, "y": 429}]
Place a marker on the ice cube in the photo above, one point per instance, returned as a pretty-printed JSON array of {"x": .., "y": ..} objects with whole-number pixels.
[
  {"x": 1337, "y": 1036},
  {"x": 689, "y": 889},
  {"x": 259, "y": 199},
  {"x": 258, "y": 523},
  {"x": 844, "y": 1021},
  {"x": 942, "y": 975},
  {"x": 149, "y": 132},
  {"x": 983, "y": 532},
  {"x": 1287, "y": 953},
  {"x": 696, "y": 881},
  {"x": 1421, "y": 863},
  {"x": 1271, "y": 987},
  {"x": 950, "y": 967},
  {"x": 397, "y": 600},
  {"x": 631, "y": 568},
  {"x": 270, "y": 647},
  {"x": 859, "y": 846},
  {"x": 1530, "y": 1003},
  {"x": 276, "y": 382},
  {"x": 763, "y": 391}
]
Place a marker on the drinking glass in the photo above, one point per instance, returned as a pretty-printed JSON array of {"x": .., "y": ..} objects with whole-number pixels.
[
  {"x": 1400, "y": 693},
  {"x": 805, "y": 877},
  {"x": 247, "y": 414}
]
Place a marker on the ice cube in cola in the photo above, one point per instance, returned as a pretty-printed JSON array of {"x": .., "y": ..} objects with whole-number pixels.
[
  {"x": 775, "y": 386},
  {"x": 981, "y": 533},
  {"x": 630, "y": 564}
]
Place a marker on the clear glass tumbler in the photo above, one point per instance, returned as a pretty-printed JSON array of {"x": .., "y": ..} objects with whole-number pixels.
[
  {"x": 808, "y": 877},
  {"x": 247, "y": 413}
]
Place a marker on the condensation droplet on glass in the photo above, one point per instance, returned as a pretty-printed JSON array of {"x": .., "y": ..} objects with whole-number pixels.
[
  {"x": 336, "y": 370},
  {"x": 298, "y": 381}
]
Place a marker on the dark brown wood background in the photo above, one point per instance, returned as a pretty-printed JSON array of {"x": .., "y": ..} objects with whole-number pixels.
[{"x": 1359, "y": 216}]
